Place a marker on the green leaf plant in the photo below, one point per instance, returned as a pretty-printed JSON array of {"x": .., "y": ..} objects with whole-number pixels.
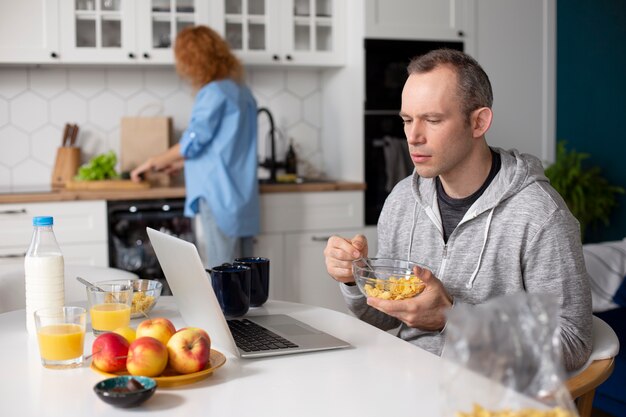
[{"x": 587, "y": 193}]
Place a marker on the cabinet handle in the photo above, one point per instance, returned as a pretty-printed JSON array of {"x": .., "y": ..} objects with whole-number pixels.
[
  {"x": 13, "y": 255},
  {"x": 19, "y": 211},
  {"x": 289, "y": 57},
  {"x": 275, "y": 57},
  {"x": 54, "y": 55},
  {"x": 131, "y": 55},
  {"x": 320, "y": 238},
  {"x": 461, "y": 33},
  {"x": 146, "y": 55}
]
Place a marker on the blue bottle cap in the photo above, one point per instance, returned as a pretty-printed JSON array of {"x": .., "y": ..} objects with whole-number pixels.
[{"x": 43, "y": 221}]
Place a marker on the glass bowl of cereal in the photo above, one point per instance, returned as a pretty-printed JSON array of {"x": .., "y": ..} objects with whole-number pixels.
[
  {"x": 146, "y": 293},
  {"x": 388, "y": 279}
]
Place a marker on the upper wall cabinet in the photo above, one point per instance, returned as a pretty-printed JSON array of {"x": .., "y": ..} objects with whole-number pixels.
[
  {"x": 292, "y": 32},
  {"x": 418, "y": 19},
  {"x": 29, "y": 31},
  {"x": 266, "y": 32},
  {"x": 95, "y": 31},
  {"x": 122, "y": 31}
]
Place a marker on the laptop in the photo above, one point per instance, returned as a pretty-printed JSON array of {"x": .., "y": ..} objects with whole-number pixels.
[{"x": 198, "y": 306}]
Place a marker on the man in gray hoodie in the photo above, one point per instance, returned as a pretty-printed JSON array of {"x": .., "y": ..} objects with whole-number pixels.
[{"x": 482, "y": 221}]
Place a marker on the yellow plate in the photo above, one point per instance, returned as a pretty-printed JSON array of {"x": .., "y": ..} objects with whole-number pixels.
[{"x": 169, "y": 378}]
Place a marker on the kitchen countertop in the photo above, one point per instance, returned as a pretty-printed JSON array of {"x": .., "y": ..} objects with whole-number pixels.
[{"x": 164, "y": 192}]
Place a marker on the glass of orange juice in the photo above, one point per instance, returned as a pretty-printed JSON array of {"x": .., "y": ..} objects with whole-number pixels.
[
  {"x": 109, "y": 305},
  {"x": 61, "y": 333}
]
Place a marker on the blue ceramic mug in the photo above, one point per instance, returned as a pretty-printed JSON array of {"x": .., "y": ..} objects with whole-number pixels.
[
  {"x": 231, "y": 284},
  {"x": 260, "y": 279}
]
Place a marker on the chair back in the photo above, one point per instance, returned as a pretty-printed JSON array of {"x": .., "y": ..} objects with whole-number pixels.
[{"x": 583, "y": 383}]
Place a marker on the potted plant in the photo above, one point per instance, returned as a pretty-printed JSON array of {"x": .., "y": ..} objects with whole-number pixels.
[{"x": 587, "y": 193}]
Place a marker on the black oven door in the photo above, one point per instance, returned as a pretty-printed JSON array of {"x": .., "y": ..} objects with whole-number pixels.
[{"x": 129, "y": 245}]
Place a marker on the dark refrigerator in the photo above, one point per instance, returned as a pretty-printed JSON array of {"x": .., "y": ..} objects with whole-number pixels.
[{"x": 386, "y": 153}]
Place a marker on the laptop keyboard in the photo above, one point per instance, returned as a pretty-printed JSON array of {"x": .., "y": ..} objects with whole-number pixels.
[{"x": 251, "y": 337}]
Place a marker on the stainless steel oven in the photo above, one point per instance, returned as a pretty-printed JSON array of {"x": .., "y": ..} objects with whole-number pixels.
[
  {"x": 386, "y": 153},
  {"x": 129, "y": 246}
]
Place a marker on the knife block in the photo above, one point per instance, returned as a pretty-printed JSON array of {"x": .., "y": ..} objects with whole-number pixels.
[{"x": 66, "y": 165}]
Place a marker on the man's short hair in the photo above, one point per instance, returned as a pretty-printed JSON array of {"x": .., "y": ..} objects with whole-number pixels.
[{"x": 473, "y": 84}]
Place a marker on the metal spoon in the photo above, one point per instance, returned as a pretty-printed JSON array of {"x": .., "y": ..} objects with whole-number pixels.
[
  {"x": 95, "y": 287},
  {"x": 366, "y": 262},
  {"x": 88, "y": 284}
]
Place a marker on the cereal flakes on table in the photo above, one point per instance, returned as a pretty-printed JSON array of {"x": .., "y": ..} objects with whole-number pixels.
[{"x": 479, "y": 411}]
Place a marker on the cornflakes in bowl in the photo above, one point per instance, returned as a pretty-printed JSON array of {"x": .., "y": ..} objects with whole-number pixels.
[
  {"x": 146, "y": 292},
  {"x": 388, "y": 279}
]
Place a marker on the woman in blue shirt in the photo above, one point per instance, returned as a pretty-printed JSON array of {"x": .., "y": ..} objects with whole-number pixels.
[{"x": 219, "y": 147}]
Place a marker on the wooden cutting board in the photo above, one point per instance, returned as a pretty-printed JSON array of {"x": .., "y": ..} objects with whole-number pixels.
[{"x": 107, "y": 185}]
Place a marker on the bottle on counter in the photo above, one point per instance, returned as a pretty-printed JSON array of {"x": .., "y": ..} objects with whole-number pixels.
[
  {"x": 44, "y": 271},
  {"x": 291, "y": 161}
]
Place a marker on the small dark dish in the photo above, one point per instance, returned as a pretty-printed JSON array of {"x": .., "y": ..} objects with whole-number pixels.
[{"x": 116, "y": 391}]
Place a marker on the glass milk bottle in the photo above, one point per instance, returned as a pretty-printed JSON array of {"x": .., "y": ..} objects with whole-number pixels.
[{"x": 44, "y": 271}]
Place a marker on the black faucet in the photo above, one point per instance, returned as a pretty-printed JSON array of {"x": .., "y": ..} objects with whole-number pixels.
[{"x": 271, "y": 163}]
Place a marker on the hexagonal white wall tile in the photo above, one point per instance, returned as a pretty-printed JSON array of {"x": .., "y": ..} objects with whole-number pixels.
[
  {"x": 286, "y": 109},
  {"x": 29, "y": 111},
  {"x": 124, "y": 82},
  {"x": 12, "y": 82},
  {"x": 5, "y": 179},
  {"x": 143, "y": 104},
  {"x": 4, "y": 112},
  {"x": 105, "y": 110},
  {"x": 44, "y": 144},
  {"x": 93, "y": 142},
  {"x": 161, "y": 82},
  {"x": 178, "y": 106},
  {"x": 96, "y": 99},
  {"x": 31, "y": 172},
  {"x": 48, "y": 82},
  {"x": 15, "y": 141},
  {"x": 113, "y": 144},
  {"x": 68, "y": 107},
  {"x": 86, "y": 82},
  {"x": 312, "y": 109},
  {"x": 303, "y": 82},
  {"x": 306, "y": 137},
  {"x": 267, "y": 82}
]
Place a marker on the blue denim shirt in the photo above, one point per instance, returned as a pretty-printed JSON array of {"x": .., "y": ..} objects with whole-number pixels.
[{"x": 220, "y": 151}]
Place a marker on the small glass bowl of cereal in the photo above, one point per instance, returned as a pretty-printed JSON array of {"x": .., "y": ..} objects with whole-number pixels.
[
  {"x": 388, "y": 279},
  {"x": 146, "y": 293}
]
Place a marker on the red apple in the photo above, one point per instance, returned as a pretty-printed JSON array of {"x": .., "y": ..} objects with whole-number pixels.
[
  {"x": 189, "y": 350},
  {"x": 160, "y": 328},
  {"x": 109, "y": 352},
  {"x": 202, "y": 332},
  {"x": 147, "y": 356}
]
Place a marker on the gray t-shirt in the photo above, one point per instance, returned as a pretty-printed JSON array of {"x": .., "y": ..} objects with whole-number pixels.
[{"x": 453, "y": 209}]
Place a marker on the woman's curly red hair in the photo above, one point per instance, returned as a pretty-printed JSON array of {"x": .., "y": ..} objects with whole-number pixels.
[{"x": 203, "y": 56}]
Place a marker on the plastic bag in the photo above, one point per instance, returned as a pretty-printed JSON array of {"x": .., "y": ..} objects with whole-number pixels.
[{"x": 514, "y": 341}]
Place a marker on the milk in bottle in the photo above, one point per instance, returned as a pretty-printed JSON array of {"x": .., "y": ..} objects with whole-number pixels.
[{"x": 44, "y": 271}]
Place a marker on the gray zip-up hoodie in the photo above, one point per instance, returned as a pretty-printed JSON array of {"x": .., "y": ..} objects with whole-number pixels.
[{"x": 518, "y": 236}]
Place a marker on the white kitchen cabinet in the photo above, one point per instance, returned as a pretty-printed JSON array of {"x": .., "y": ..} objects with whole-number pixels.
[
  {"x": 292, "y": 32},
  {"x": 29, "y": 31},
  {"x": 272, "y": 247},
  {"x": 295, "y": 228},
  {"x": 306, "y": 280},
  {"x": 124, "y": 31},
  {"x": 79, "y": 226},
  {"x": 418, "y": 19}
]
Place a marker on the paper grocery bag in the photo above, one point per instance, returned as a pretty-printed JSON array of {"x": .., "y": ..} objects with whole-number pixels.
[{"x": 141, "y": 138}]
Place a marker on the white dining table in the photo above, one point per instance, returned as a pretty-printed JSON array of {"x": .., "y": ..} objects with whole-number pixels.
[{"x": 379, "y": 375}]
